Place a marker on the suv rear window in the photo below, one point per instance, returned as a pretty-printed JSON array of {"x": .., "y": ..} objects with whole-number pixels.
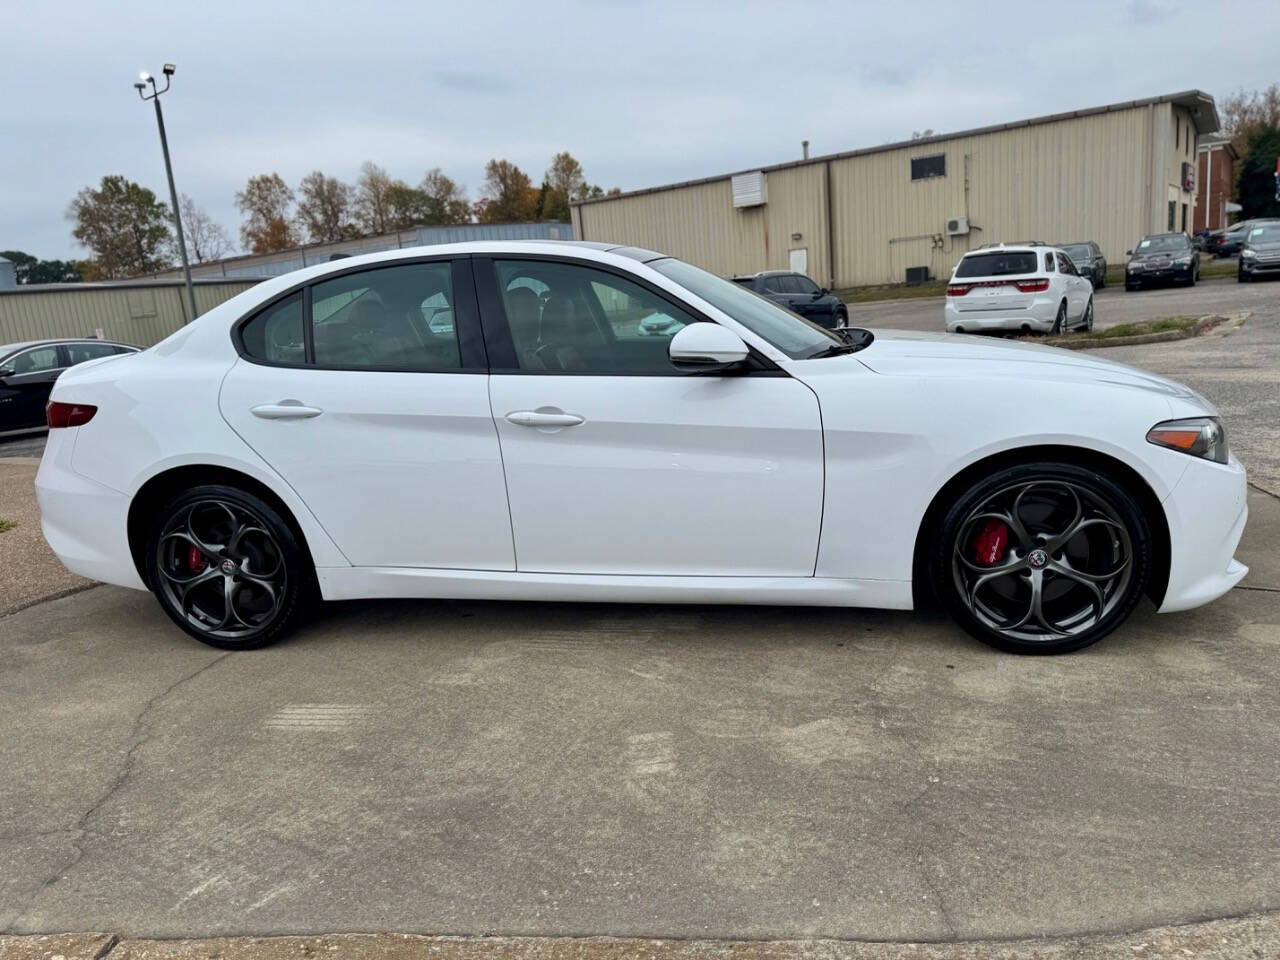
[{"x": 1002, "y": 264}]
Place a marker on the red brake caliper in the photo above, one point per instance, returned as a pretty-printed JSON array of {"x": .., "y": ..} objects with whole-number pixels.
[
  {"x": 196, "y": 560},
  {"x": 989, "y": 545}
]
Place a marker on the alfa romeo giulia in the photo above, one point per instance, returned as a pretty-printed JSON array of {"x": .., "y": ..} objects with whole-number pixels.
[{"x": 497, "y": 420}]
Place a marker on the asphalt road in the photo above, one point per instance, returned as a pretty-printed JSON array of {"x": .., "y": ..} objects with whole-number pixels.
[
  {"x": 1111, "y": 305},
  {"x": 481, "y": 768}
]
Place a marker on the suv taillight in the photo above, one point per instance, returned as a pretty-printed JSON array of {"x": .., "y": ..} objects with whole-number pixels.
[
  {"x": 1033, "y": 286},
  {"x": 958, "y": 289},
  {"x": 69, "y": 414}
]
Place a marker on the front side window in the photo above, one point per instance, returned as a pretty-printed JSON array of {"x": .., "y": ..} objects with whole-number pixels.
[
  {"x": 39, "y": 360},
  {"x": 804, "y": 285},
  {"x": 795, "y": 337},
  {"x": 775, "y": 284},
  {"x": 571, "y": 318},
  {"x": 391, "y": 318},
  {"x": 1065, "y": 265}
]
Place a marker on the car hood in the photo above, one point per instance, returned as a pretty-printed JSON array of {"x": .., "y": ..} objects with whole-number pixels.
[
  {"x": 910, "y": 353},
  {"x": 1264, "y": 247}
]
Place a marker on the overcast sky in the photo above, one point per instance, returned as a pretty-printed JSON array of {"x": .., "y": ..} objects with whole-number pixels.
[{"x": 641, "y": 93}]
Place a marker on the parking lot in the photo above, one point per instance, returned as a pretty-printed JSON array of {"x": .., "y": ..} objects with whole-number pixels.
[{"x": 488, "y": 768}]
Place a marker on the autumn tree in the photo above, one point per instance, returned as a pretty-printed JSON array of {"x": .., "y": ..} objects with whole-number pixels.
[
  {"x": 1243, "y": 113},
  {"x": 206, "y": 240},
  {"x": 562, "y": 182},
  {"x": 29, "y": 269},
  {"x": 508, "y": 196},
  {"x": 448, "y": 199},
  {"x": 324, "y": 208},
  {"x": 372, "y": 199},
  {"x": 123, "y": 225},
  {"x": 267, "y": 204}
]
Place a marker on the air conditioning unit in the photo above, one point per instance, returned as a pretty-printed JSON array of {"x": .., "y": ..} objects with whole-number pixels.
[
  {"x": 750, "y": 189},
  {"x": 958, "y": 226}
]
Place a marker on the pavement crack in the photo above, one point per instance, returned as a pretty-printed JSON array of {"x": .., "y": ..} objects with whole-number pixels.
[
  {"x": 930, "y": 882},
  {"x": 1274, "y": 496},
  {"x": 140, "y": 735},
  {"x": 1241, "y": 586},
  {"x": 113, "y": 941}
]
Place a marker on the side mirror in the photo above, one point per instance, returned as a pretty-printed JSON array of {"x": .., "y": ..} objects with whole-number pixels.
[
  {"x": 706, "y": 346},
  {"x": 6, "y": 372}
]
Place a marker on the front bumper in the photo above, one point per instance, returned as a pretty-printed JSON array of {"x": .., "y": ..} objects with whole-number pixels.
[
  {"x": 84, "y": 522},
  {"x": 1260, "y": 268},
  {"x": 1038, "y": 315},
  {"x": 1164, "y": 275},
  {"x": 1206, "y": 513}
]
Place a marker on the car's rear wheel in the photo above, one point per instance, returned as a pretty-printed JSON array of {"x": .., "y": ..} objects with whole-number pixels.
[
  {"x": 1087, "y": 323},
  {"x": 227, "y": 568},
  {"x": 1060, "y": 321},
  {"x": 1042, "y": 558}
]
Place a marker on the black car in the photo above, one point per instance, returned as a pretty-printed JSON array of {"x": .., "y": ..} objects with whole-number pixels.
[
  {"x": 1260, "y": 255},
  {"x": 1089, "y": 261},
  {"x": 800, "y": 295},
  {"x": 1162, "y": 258},
  {"x": 27, "y": 372}
]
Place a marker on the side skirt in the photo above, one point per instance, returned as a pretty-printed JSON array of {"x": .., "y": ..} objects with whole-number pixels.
[{"x": 354, "y": 583}]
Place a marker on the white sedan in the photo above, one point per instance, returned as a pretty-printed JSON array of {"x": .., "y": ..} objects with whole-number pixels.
[{"x": 319, "y": 436}]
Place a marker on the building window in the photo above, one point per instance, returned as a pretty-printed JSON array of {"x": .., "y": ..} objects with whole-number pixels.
[
  {"x": 1173, "y": 212},
  {"x": 1184, "y": 218},
  {"x": 925, "y": 168},
  {"x": 1177, "y": 137}
]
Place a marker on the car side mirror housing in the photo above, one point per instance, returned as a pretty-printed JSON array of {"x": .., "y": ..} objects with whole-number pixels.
[
  {"x": 6, "y": 372},
  {"x": 707, "y": 346},
  {"x": 1128, "y": 253}
]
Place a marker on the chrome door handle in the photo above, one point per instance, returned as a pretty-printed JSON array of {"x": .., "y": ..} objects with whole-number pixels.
[
  {"x": 539, "y": 418},
  {"x": 285, "y": 410}
]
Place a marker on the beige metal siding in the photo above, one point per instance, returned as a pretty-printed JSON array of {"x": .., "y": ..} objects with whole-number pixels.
[
  {"x": 1101, "y": 176},
  {"x": 131, "y": 314}
]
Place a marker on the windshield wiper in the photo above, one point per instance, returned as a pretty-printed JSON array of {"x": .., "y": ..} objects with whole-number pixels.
[{"x": 835, "y": 350}]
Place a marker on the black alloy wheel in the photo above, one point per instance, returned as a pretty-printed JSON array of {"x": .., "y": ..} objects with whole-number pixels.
[
  {"x": 227, "y": 568},
  {"x": 1042, "y": 558}
]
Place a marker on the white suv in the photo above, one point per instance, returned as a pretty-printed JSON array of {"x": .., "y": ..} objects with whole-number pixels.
[{"x": 1018, "y": 288}]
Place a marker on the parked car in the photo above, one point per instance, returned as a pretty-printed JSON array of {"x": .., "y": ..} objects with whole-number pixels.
[
  {"x": 544, "y": 451},
  {"x": 1026, "y": 289},
  {"x": 1162, "y": 258},
  {"x": 1089, "y": 261},
  {"x": 27, "y": 373},
  {"x": 800, "y": 295},
  {"x": 1260, "y": 255},
  {"x": 1233, "y": 238}
]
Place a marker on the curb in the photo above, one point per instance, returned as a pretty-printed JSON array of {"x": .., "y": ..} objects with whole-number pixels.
[
  {"x": 1240, "y": 937},
  {"x": 1167, "y": 336}
]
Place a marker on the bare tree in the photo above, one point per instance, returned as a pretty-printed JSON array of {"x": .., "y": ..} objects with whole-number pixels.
[
  {"x": 324, "y": 208},
  {"x": 206, "y": 240},
  {"x": 373, "y": 207},
  {"x": 1243, "y": 113},
  {"x": 267, "y": 203}
]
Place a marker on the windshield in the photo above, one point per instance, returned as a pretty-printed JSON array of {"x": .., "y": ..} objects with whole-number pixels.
[
  {"x": 1079, "y": 251},
  {"x": 1267, "y": 234},
  {"x": 1001, "y": 264},
  {"x": 795, "y": 337},
  {"x": 1162, "y": 244}
]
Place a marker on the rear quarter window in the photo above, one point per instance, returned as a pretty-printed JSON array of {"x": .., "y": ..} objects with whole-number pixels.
[{"x": 1002, "y": 264}]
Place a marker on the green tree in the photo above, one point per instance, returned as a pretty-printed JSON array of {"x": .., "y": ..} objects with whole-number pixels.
[
  {"x": 564, "y": 180},
  {"x": 324, "y": 208},
  {"x": 448, "y": 199},
  {"x": 372, "y": 199},
  {"x": 124, "y": 226},
  {"x": 1256, "y": 181},
  {"x": 267, "y": 204},
  {"x": 31, "y": 269},
  {"x": 508, "y": 196}
]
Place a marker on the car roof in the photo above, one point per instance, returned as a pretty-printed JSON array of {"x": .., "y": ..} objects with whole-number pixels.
[
  {"x": 1008, "y": 247},
  {"x": 1153, "y": 236},
  {"x": 8, "y": 348}
]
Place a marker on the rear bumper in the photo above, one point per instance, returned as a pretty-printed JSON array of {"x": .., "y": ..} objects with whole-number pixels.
[
  {"x": 1206, "y": 512},
  {"x": 84, "y": 522},
  {"x": 1039, "y": 316}
]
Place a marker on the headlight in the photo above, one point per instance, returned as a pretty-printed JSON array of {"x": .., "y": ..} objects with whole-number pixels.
[
  {"x": 1182, "y": 262},
  {"x": 1199, "y": 436},
  {"x": 1248, "y": 253}
]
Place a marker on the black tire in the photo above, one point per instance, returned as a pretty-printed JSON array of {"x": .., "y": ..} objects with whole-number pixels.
[
  {"x": 842, "y": 317},
  {"x": 1087, "y": 323},
  {"x": 1102, "y": 279},
  {"x": 1130, "y": 287},
  {"x": 1113, "y": 524},
  {"x": 1241, "y": 276},
  {"x": 227, "y": 568},
  {"x": 1060, "y": 321}
]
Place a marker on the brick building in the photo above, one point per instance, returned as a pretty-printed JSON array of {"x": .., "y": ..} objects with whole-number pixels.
[{"x": 1216, "y": 175}]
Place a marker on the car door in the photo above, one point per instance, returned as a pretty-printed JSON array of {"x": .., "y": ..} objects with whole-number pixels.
[
  {"x": 25, "y": 387},
  {"x": 367, "y": 393},
  {"x": 1078, "y": 288},
  {"x": 616, "y": 461},
  {"x": 808, "y": 297},
  {"x": 778, "y": 290}
]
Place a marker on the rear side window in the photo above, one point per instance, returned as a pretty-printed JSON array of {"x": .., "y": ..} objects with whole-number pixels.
[
  {"x": 275, "y": 334},
  {"x": 1001, "y": 264},
  {"x": 80, "y": 352},
  {"x": 1048, "y": 263}
]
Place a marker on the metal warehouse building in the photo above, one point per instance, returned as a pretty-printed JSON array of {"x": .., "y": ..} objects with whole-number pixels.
[{"x": 887, "y": 214}]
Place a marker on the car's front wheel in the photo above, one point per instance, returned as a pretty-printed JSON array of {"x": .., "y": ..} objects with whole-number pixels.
[
  {"x": 842, "y": 317},
  {"x": 1042, "y": 558},
  {"x": 227, "y": 568}
]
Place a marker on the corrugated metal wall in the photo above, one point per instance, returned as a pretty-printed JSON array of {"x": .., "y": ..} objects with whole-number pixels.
[
  {"x": 132, "y": 314},
  {"x": 286, "y": 261},
  {"x": 1100, "y": 177}
]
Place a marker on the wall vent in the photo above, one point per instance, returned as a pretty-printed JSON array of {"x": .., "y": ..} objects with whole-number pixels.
[{"x": 750, "y": 189}]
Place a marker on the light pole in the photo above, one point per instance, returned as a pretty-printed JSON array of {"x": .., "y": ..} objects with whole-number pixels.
[{"x": 141, "y": 86}]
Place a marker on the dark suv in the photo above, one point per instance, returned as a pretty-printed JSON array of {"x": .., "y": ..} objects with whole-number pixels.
[
  {"x": 800, "y": 295},
  {"x": 1089, "y": 261},
  {"x": 1162, "y": 257}
]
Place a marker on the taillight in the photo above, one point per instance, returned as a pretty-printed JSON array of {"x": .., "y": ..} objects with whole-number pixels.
[
  {"x": 958, "y": 289},
  {"x": 1033, "y": 286},
  {"x": 69, "y": 414}
]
